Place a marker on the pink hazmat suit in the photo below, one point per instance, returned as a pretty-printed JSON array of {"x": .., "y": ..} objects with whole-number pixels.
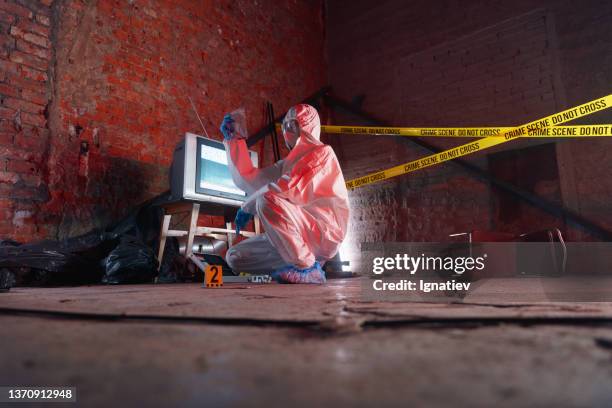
[{"x": 301, "y": 200}]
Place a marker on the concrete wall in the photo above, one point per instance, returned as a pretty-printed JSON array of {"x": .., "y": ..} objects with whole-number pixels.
[
  {"x": 481, "y": 63},
  {"x": 101, "y": 91}
]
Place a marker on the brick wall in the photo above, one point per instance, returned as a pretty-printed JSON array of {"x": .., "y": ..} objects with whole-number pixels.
[
  {"x": 103, "y": 90},
  {"x": 500, "y": 75},
  {"x": 585, "y": 53},
  {"x": 466, "y": 64},
  {"x": 25, "y": 58}
]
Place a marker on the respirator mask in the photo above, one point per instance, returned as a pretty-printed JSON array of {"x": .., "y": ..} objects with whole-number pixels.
[{"x": 291, "y": 129}]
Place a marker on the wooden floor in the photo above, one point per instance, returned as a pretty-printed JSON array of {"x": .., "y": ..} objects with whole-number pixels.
[{"x": 260, "y": 344}]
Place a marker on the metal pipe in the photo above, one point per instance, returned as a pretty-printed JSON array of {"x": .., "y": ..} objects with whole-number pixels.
[
  {"x": 275, "y": 147},
  {"x": 261, "y": 133}
]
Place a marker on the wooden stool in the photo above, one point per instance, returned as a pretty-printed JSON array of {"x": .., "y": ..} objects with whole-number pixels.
[{"x": 193, "y": 208}]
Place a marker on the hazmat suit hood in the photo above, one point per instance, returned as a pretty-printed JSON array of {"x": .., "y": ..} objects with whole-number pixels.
[{"x": 301, "y": 120}]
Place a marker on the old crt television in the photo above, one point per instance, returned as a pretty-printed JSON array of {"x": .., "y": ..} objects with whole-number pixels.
[{"x": 199, "y": 172}]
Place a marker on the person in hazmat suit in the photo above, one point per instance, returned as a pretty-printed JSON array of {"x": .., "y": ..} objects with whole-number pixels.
[{"x": 301, "y": 201}]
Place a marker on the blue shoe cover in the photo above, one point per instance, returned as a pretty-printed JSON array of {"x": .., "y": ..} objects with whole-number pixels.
[{"x": 291, "y": 274}]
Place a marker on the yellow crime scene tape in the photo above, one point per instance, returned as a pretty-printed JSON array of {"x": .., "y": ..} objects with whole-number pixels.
[
  {"x": 555, "y": 131},
  {"x": 504, "y": 136},
  {"x": 549, "y": 132}
]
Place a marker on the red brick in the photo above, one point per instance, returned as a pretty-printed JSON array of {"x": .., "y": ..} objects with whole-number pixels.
[
  {"x": 32, "y": 138},
  {"x": 25, "y": 233},
  {"x": 33, "y": 119},
  {"x": 34, "y": 97},
  {"x": 10, "y": 7},
  {"x": 21, "y": 166},
  {"x": 6, "y": 126},
  {"x": 33, "y": 49},
  {"x": 6, "y": 228},
  {"x": 7, "y": 43},
  {"x": 9, "y": 90},
  {"x": 39, "y": 40},
  {"x": 6, "y": 113},
  {"x": 29, "y": 60},
  {"x": 44, "y": 20},
  {"x": 9, "y": 177},
  {"x": 33, "y": 27},
  {"x": 6, "y": 17},
  {"x": 16, "y": 152},
  {"x": 25, "y": 106},
  {"x": 30, "y": 180},
  {"x": 6, "y": 204},
  {"x": 33, "y": 74},
  {"x": 8, "y": 67},
  {"x": 6, "y": 138},
  {"x": 18, "y": 81}
]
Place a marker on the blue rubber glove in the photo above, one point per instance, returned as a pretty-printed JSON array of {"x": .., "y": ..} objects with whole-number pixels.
[
  {"x": 242, "y": 218},
  {"x": 227, "y": 127}
]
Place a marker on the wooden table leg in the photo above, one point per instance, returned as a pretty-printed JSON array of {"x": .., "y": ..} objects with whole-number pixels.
[
  {"x": 162, "y": 239},
  {"x": 230, "y": 240},
  {"x": 257, "y": 225},
  {"x": 193, "y": 225}
]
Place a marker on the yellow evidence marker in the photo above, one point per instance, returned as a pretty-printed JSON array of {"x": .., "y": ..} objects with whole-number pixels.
[{"x": 213, "y": 276}]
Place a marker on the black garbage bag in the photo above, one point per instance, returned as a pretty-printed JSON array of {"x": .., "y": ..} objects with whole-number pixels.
[
  {"x": 7, "y": 276},
  {"x": 50, "y": 263},
  {"x": 168, "y": 271},
  {"x": 9, "y": 242},
  {"x": 176, "y": 268},
  {"x": 130, "y": 262},
  {"x": 7, "y": 279},
  {"x": 143, "y": 222},
  {"x": 121, "y": 253}
]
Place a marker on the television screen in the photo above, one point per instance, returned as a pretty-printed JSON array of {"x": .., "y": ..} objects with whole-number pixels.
[
  {"x": 213, "y": 174},
  {"x": 213, "y": 171}
]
